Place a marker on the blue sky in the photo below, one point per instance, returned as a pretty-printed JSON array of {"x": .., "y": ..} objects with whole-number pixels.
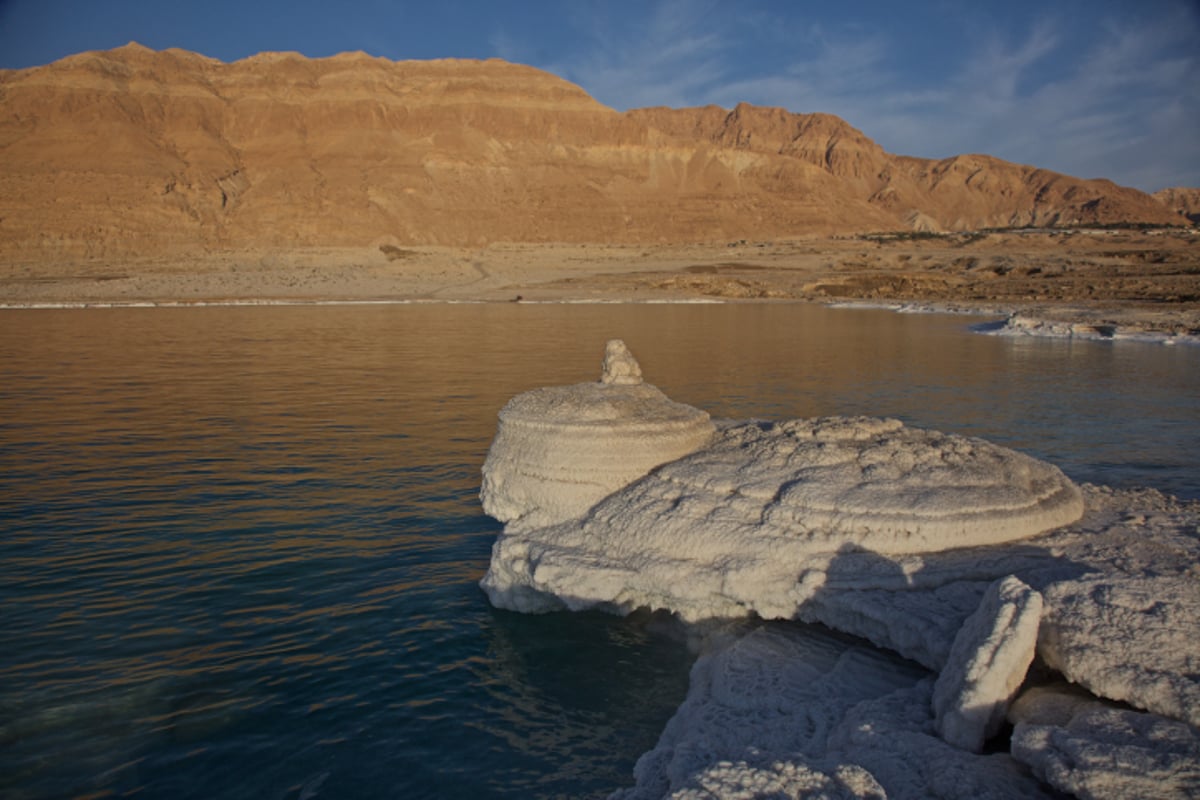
[{"x": 1094, "y": 89}]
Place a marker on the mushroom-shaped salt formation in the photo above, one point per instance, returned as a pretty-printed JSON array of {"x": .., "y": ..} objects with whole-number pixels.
[
  {"x": 755, "y": 520},
  {"x": 872, "y": 483},
  {"x": 561, "y": 449}
]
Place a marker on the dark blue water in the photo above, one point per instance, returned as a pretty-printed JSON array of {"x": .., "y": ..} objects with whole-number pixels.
[{"x": 239, "y": 547}]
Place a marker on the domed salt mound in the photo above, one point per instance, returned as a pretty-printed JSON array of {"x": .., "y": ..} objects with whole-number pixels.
[
  {"x": 747, "y": 519},
  {"x": 873, "y": 483},
  {"x": 559, "y": 450}
]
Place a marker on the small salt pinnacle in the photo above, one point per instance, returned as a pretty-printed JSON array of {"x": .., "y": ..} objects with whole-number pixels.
[{"x": 620, "y": 367}]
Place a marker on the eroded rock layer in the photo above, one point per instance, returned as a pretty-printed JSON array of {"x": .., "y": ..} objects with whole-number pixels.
[{"x": 136, "y": 153}]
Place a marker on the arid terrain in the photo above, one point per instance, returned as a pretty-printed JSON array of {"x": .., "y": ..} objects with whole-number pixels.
[
  {"x": 1138, "y": 280},
  {"x": 132, "y": 176}
]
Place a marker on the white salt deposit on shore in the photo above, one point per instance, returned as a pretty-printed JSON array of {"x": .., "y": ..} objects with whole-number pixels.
[
  {"x": 1094, "y": 748},
  {"x": 793, "y": 712},
  {"x": 560, "y": 450},
  {"x": 1020, "y": 325},
  {"x": 1031, "y": 323},
  {"x": 963, "y": 556},
  {"x": 987, "y": 664}
]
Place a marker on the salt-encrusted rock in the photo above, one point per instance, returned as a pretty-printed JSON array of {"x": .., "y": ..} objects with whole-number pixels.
[
  {"x": 991, "y": 654},
  {"x": 1135, "y": 639},
  {"x": 619, "y": 367},
  {"x": 917, "y": 624},
  {"x": 739, "y": 780},
  {"x": 558, "y": 450},
  {"x": 875, "y": 529},
  {"x": 915, "y": 603},
  {"x": 759, "y": 712},
  {"x": 893, "y": 737},
  {"x": 788, "y": 711},
  {"x": 755, "y": 520},
  {"x": 873, "y": 483},
  {"x": 1097, "y": 751}
]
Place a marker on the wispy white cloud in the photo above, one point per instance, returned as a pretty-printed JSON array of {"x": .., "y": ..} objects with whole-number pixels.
[
  {"x": 667, "y": 58},
  {"x": 994, "y": 76},
  {"x": 1118, "y": 109},
  {"x": 1103, "y": 115},
  {"x": 1121, "y": 102}
]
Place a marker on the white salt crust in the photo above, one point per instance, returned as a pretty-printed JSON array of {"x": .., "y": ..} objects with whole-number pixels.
[
  {"x": 987, "y": 664},
  {"x": 1135, "y": 639},
  {"x": 797, "y": 712},
  {"x": 559, "y": 450},
  {"x": 936, "y": 547},
  {"x": 1096, "y": 749},
  {"x": 755, "y": 521}
]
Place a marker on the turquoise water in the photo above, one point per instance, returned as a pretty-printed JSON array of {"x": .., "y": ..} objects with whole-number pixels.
[{"x": 240, "y": 546}]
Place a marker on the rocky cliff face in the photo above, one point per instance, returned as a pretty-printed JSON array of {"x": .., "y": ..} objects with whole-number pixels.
[
  {"x": 1182, "y": 201},
  {"x": 132, "y": 152}
]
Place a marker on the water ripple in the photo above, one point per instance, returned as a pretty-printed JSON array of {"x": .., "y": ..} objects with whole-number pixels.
[{"x": 240, "y": 547}]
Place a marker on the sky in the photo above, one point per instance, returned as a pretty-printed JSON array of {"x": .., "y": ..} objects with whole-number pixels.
[{"x": 1104, "y": 88}]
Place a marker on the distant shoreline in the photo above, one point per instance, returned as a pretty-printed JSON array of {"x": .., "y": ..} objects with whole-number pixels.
[
  {"x": 1131, "y": 284},
  {"x": 1011, "y": 325}
]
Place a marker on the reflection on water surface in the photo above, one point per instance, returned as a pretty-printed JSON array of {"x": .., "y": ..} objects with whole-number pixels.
[{"x": 241, "y": 545}]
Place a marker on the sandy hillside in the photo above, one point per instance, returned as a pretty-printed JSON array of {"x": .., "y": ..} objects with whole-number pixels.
[
  {"x": 139, "y": 176},
  {"x": 1181, "y": 200},
  {"x": 132, "y": 153}
]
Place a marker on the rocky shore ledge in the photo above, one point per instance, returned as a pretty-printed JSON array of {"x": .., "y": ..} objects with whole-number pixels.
[{"x": 1008, "y": 634}]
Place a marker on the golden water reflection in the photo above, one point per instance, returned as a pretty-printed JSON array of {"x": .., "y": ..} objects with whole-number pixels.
[{"x": 231, "y": 527}]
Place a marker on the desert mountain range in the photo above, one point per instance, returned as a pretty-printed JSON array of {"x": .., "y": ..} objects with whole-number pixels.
[{"x": 137, "y": 153}]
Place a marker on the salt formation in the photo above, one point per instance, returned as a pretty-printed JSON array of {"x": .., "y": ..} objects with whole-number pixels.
[
  {"x": 797, "y": 712},
  {"x": 1019, "y": 325},
  {"x": 1149, "y": 627},
  {"x": 937, "y": 547},
  {"x": 756, "y": 520},
  {"x": 559, "y": 450},
  {"x": 1095, "y": 628},
  {"x": 987, "y": 665},
  {"x": 619, "y": 368},
  {"x": 1095, "y": 749}
]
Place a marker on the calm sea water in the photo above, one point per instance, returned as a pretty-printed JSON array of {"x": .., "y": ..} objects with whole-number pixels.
[{"x": 239, "y": 547}]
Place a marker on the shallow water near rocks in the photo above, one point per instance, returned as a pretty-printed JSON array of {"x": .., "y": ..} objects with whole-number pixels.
[{"x": 240, "y": 546}]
